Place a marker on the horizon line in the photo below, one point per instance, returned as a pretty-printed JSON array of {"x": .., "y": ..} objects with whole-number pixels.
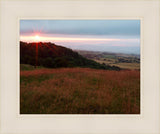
[{"x": 84, "y": 49}]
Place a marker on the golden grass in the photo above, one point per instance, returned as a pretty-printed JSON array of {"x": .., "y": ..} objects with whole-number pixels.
[
  {"x": 79, "y": 91},
  {"x": 131, "y": 66}
]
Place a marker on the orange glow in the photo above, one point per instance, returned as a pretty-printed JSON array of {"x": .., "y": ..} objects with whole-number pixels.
[
  {"x": 52, "y": 39},
  {"x": 37, "y": 38}
]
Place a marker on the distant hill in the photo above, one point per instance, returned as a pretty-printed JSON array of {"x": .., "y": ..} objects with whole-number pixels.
[
  {"x": 54, "y": 56},
  {"x": 100, "y": 54}
]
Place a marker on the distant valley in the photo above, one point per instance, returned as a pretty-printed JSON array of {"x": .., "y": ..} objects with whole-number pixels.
[{"x": 124, "y": 61}]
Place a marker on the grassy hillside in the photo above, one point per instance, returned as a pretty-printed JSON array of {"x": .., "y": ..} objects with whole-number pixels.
[
  {"x": 79, "y": 91},
  {"x": 51, "y": 55}
]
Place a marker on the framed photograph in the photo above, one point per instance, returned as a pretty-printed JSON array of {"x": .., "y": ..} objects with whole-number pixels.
[{"x": 80, "y": 66}]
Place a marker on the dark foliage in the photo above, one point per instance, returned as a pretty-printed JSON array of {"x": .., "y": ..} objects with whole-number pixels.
[{"x": 54, "y": 56}]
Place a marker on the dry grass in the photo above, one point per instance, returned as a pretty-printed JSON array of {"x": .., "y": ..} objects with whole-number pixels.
[
  {"x": 79, "y": 91},
  {"x": 131, "y": 66}
]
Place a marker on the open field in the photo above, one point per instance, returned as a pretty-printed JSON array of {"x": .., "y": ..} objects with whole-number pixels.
[{"x": 79, "y": 91}]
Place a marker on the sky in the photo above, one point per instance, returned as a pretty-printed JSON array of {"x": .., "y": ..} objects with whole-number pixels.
[{"x": 119, "y": 36}]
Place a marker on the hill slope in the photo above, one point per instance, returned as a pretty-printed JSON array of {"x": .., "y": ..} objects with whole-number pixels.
[{"x": 54, "y": 56}]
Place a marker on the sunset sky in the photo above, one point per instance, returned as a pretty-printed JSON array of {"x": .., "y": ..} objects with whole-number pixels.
[{"x": 122, "y": 36}]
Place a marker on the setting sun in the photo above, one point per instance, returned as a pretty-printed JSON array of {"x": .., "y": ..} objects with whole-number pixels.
[{"x": 37, "y": 38}]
